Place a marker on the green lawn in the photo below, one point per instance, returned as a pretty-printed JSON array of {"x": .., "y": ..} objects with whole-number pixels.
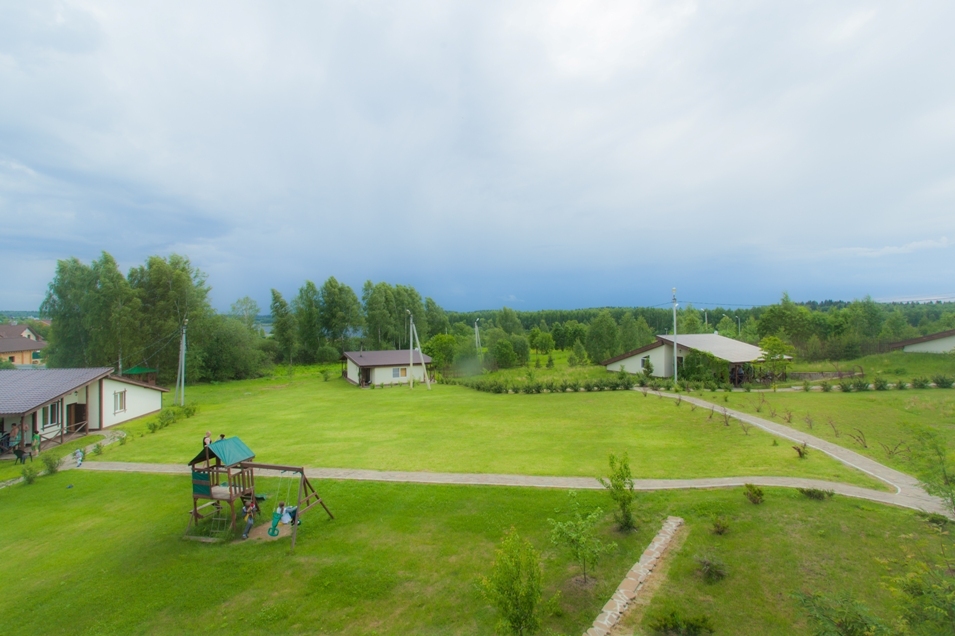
[
  {"x": 882, "y": 416},
  {"x": 105, "y": 557},
  {"x": 893, "y": 365},
  {"x": 305, "y": 421},
  {"x": 9, "y": 470},
  {"x": 788, "y": 544},
  {"x": 561, "y": 370}
]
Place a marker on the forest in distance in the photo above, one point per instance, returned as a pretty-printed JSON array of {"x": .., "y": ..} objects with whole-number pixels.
[{"x": 101, "y": 317}]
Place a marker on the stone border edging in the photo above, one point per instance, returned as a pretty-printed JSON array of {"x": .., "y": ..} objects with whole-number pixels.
[{"x": 633, "y": 582}]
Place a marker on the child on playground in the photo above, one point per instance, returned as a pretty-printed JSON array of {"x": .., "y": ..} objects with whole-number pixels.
[
  {"x": 289, "y": 514},
  {"x": 249, "y": 510}
]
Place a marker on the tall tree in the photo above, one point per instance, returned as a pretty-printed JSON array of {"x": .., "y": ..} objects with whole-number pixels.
[
  {"x": 246, "y": 311},
  {"x": 602, "y": 337},
  {"x": 508, "y": 321},
  {"x": 172, "y": 291},
  {"x": 437, "y": 318},
  {"x": 113, "y": 315},
  {"x": 306, "y": 307},
  {"x": 64, "y": 305},
  {"x": 378, "y": 302},
  {"x": 284, "y": 329},
  {"x": 339, "y": 311}
]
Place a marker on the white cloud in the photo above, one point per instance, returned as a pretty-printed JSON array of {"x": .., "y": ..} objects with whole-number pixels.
[{"x": 476, "y": 138}]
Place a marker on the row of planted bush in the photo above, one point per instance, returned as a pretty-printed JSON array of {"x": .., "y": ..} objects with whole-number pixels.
[
  {"x": 494, "y": 385},
  {"x": 171, "y": 415},
  {"x": 882, "y": 384}
]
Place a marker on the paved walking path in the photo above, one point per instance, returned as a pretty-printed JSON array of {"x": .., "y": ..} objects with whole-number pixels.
[
  {"x": 906, "y": 500},
  {"x": 909, "y": 492}
]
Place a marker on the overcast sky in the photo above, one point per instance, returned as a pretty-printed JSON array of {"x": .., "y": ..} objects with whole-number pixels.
[{"x": 529, "y": 154}]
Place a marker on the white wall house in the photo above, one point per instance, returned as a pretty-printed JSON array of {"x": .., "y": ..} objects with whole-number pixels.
[
  {"x": 383, "y": 367},
  {"x": 660, "y": 353},
  {"x": 58, "y": 402},
  {"x": 941, "y": 342}
]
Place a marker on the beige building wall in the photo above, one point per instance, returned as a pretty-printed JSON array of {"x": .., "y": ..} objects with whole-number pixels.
[
  {"x": 940, "y": 345},
  {"x": 139, "y": 401}
]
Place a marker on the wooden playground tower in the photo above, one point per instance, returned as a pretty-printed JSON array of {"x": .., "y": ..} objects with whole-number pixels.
[{"x": 222, "y": 473}]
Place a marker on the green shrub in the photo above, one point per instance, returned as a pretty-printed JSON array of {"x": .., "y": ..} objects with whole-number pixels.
[
  {"x": 122, "y": 440},
  {"x": 815, "y": 493},
  {"x": 880, "y": 383},
  {"x": 845, "y": 386},
  {"x": 98, "y": 449},
  {"x": 550, "y": 361},
  {"x": 587, "y": 385},
  {"x": 920, "y": 383},
  {"x": 168, "y": 416},
  {"x": 152, "y": 426},
  {"x": 900, "y": 385},
  {"x": 753, "y": 493},
  {"x": 190, "y": 409},
  {"x": 29, "y": 473},
  {"x": 675, "y": 624},
  {"x": 825, "y": 386},
  {"x": 747, "y": 387},
  {"x": 514, "y": 585},
  {"x": 575, "y": 385},
  {"x": 806, "y": 386},
  {"x": 710, "y": 568},
  {"x": 860, "y": 385},
  {"x": 51, "y": 462},
  {"x": 943, "y": 381},
  {"x": 721, "y": 525},
  {"x": 620, "y": 485}
]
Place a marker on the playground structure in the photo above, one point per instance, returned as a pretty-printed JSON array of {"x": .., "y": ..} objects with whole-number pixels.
[{"x": 223, "y": 474}]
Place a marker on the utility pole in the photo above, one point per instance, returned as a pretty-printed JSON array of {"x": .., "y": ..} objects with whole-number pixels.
[
  {"x": 410, "y": 350},
  {"x": 180, "y": 394},
  {"x": 674, "y": 337},
  {"x": 739, "y": 327},
  {"x": 477, "y": 338},
  {"x": 413, "y": 335}
]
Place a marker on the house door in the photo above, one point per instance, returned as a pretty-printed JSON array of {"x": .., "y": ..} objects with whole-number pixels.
[{"x": 365, "y": 376}]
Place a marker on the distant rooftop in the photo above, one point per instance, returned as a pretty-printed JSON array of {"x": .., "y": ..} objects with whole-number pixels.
[
  {"x": 23, "y": 390},
  {"x": 384, "y": 358}
]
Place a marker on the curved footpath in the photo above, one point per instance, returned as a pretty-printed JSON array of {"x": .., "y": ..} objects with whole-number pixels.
[{"x": 908, "y": 492}]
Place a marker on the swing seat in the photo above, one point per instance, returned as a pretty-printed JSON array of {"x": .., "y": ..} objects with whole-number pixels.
[{"x": 276, "y": 519}]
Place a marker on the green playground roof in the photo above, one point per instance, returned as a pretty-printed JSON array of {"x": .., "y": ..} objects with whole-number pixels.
[
  {"x": 139, "y": 370},
  {"x": 229, "y": 451}
]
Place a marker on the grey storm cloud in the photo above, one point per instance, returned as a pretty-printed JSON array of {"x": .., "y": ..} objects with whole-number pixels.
[{"x": 542, "y": 154}]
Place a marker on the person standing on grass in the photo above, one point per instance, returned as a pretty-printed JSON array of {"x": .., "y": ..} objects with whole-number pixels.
[
  {"x": 35, "y": 444},
  {"x": 249, "y": 510}
]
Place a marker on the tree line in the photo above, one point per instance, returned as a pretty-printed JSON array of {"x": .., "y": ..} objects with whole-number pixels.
[{"x": 101, "y": 317}]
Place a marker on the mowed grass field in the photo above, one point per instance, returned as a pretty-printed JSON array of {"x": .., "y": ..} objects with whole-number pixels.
[
  {"x": 884, "y": 418},
  {"x": 306, "y": 421},
  {"x": 105, "y": 557}
]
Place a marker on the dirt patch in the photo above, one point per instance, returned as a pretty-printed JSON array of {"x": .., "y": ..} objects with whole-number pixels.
[{"x": 631, "y": 619}]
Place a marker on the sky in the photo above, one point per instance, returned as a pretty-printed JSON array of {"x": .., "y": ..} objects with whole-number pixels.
[{"x": 529, "y": 154}]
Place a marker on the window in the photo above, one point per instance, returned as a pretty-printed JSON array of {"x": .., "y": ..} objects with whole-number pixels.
[
  {"x": 396, "y": 372},
  {"x": 404, "y": 372},
  {"x": 50, "y": 415},
  {"x": 119, "y": 401},
  {"x": 643, "y": 362}
]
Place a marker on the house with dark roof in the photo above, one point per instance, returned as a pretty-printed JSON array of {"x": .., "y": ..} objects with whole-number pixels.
[
  {"x": 57, "y": 403},
  {"x": 364, "y": 368},
  {"x": 941, "y": 342},
  {"x": 659, "y": 354},
  {"x": 21, "y": 345}
]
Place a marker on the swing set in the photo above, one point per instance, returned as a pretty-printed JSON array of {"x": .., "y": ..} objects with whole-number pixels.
[{"x": 222, "y": 474}]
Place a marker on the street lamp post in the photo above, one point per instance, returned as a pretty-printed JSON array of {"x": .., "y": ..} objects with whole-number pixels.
[{"x": 674, "y": 338}]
